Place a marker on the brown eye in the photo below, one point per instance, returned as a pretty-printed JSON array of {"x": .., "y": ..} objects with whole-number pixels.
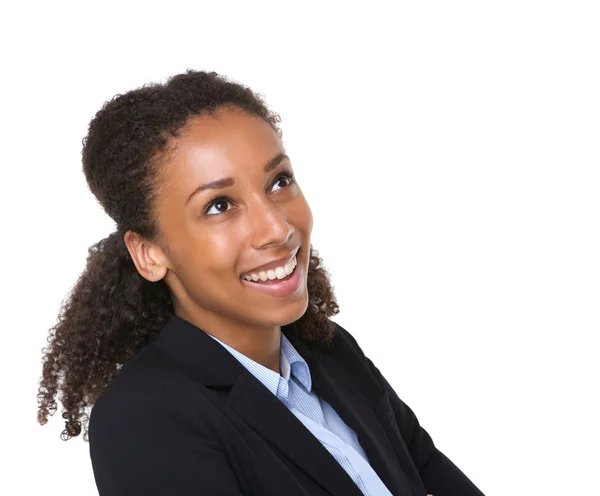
[
  {"x": 216, "y": 202},
  {"x": 288, "y": 176}
]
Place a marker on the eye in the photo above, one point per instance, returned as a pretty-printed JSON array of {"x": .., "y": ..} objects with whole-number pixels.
[
  {"x": 217, "y": 201},
  {"x": 289, "y": 177},
  {"x": 222, "y": 200}
]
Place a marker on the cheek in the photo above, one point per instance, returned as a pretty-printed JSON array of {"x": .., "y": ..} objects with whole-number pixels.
[
  {"x": 310, "y": 219},
  {"x": 203, "y": 256},
  {"x": 302, "y": 216},
  {"x": 215, "y": 258}
]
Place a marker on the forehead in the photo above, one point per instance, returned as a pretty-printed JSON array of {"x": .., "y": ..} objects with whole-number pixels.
[
  {"x": 228, "y": 137},
  {"x": 214, "y": 146}
]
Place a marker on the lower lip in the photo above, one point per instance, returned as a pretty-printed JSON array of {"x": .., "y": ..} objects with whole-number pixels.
[{"x": 282, "y": 288}]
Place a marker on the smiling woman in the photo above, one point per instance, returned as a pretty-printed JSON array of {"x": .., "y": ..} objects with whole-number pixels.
[{"x": 199, "y": 333}]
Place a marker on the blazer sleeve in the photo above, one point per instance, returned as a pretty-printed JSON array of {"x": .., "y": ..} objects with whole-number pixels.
[
  {"x": 151, "y": 446},
  {"x": 440, "y": 476}
]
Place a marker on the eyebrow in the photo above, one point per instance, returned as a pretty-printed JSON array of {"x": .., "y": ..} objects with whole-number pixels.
[{"x": 230, "y": 181}]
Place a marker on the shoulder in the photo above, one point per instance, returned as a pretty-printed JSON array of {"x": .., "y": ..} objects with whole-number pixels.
[
  {"x": 152, "y": 431},
  {"x": 148, "y": 391},
  {"x": 344, "y": 337},
  {"x": 149, "y": 373},
  {"x": 347, "y": 354},
  {"x": 345, "y": 343}
]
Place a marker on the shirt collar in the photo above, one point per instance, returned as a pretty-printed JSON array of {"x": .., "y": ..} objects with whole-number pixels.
[{"x": 291, "y": 364}]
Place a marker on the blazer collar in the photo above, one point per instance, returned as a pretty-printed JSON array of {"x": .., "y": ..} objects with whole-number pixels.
[{"x": 206, "y": 361}]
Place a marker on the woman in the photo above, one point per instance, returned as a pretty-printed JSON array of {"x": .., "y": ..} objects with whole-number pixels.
[{"x": 199, "y": 330}]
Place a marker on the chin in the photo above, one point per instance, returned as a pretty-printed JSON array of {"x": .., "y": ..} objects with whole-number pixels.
[{"x": 284, "y": 314}]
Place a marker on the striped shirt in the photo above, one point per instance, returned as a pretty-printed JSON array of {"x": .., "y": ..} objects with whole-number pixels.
[{"x": 294, "y": 389}]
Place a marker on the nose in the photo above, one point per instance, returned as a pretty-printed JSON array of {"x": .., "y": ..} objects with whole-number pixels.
[{"x": 269, "y": 224}]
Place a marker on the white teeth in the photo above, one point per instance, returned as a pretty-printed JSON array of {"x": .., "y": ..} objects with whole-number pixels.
[
  {"x": 289, "y": 268},
  {"x": 277, "y": 273}
]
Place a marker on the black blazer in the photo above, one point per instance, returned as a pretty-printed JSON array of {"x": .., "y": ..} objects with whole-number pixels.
[{"x": 184, "y": 417}]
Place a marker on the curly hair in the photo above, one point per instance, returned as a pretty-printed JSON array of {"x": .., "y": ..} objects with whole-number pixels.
[{"x": 111, "y": 312}]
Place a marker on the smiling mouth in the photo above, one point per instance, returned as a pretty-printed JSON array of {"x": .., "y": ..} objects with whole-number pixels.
[
  {"x": 279, "y": 288},
  {"x": 275, "y": 275}
]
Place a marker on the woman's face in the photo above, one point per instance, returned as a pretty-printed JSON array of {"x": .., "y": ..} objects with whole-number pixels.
[{"x": 259, "y": 216}]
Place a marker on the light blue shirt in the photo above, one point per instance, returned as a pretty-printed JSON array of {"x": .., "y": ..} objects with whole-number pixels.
[{"x": 294, "y": 389}]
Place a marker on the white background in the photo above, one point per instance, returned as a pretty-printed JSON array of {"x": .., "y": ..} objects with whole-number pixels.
[{"x": 450, "y": 154}]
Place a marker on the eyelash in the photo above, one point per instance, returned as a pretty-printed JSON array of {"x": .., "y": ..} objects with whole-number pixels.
[{"x": 285, "y": 173}]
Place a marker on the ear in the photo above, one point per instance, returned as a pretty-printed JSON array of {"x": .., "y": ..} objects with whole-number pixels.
[{"x": 150, "y": 260}]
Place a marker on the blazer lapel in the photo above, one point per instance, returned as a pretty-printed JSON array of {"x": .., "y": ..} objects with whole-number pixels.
[
  {"x": 271, "y": 419},
  {"x": 208, "y": 362},
  {"x": 333, "y": 384}
]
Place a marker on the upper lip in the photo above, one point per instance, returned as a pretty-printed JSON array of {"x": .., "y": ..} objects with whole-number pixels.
[{"x": 271, "y": 265}]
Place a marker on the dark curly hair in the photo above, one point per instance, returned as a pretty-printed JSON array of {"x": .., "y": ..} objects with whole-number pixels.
[{"x": 112, "y": 311}]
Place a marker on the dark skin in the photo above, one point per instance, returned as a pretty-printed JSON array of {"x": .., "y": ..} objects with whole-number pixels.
[{"x": 265, "y": 217}]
